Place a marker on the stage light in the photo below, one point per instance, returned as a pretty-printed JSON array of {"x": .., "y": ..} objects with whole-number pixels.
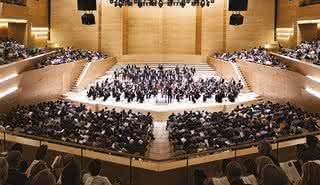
[
  {"x": 208, "y": 3},
  {"x": 111, "y": 1}
]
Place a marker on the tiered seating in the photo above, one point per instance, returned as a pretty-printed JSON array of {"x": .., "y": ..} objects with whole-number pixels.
[
  {"x": 192, "y": 132},
  {"x": 107, "y": 129}
]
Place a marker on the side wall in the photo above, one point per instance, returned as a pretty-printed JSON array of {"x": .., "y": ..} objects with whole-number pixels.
[
  {"x": 280, "y": 85},
  {"x": 40, "y": 85}
]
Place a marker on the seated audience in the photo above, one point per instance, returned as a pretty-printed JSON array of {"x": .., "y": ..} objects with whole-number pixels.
[
  {"x": 41, "y": 156},
  {"x": 265, "y": 149},
  {"x": 4, "y": 167},
  {"x": 310, "y": 151},
  {"x": 250, "y": 167},
  {"x": 15, "y": 177},
  {"x": 256, "y": 55},
  {"x": 234, "y": 173},
  {"x": 71, "y": 172},
  {"x": 68, "y": 55},
  {"x": 93, "y": 177},
  {"x": 11, "y": 51},
  {"x": 274, "y": 175},
  {"x": 132, "y": 83},
  {"x": 307, "y": 50},
  {"x": 261, "y": 162},
  {"x": 311, "y": 173},
  {"x": 192, "y": 132},
  {"x": 107, "y": 129},
  {"x": 18, "y": 2},
  {"x": 44, "y": 177}
]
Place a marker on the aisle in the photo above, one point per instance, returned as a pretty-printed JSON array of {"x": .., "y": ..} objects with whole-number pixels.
[{"x": 160, "y": 147}]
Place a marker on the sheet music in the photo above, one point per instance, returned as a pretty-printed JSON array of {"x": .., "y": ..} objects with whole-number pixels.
[{"x": 290, "y": 169}]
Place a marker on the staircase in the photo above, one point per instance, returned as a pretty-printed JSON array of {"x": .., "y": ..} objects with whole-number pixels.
[
  {"x": 80, "y": 77},
  {"x": 247, "y": 87}
]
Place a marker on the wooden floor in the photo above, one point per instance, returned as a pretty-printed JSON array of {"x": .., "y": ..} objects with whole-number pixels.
[{"x": 160, "y": 147}]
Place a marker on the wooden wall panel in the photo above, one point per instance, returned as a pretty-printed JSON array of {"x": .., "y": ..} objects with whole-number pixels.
[
  {"x": 38, "y": 12},
  {"x": 212, "y": 28},
  {"x": 67, "y": 29},
  {"x": 280, "y": 85},
  {"x": 307, "y": 32},
  {"x": 167, "y": 30},
  {"x": 111, "y": 36},
  {"x": 43, "y": 84},
  {"x": 144, "y": 30},
  {"x": 257, "y": 29},
  {"x": 179, "y": 30}
]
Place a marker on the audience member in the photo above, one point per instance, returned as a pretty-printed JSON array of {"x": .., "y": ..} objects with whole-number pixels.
[
  {"x": 14, "y": 176},
  {"x": 234, "y": 173},
  {"x": 265, "y": 149},
  {"x": 119, "y": 131},
  {"x": 4, "y": 167},
  {"x": 307, "y": 50},
  {"x": 192, "y": 132},
  {"x": 44, "y": 177},
  {"x": 18, "y": 2},
  {"x": 68, "y": 55},
  {"x": 311, "y": 173},
  {"x": 250, "y": 167},
  {"x": 256, "y": 55},
  {"x": 274, "y": 175},
  {"x": 11, "y": 51},
  {"x": 71, "y": 171},
  {"x": 261, "y": 162},
  {"x": 93, "y": 177},
  {"x": 310, "y": 151},
  {"x": 132, "y": 83},
  {"x": 41, "y": 156}
]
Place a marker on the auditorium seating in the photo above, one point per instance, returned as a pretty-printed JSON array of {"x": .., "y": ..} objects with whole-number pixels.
[
  {"x": 306, "y": 50},
  {"x": 192, "y": 132},
  {"x": 12, "y": 51},
  {"x": 107, "y": 129},
  {"x": 67, "y": 55},
  {"x": 256, "y": 55}
]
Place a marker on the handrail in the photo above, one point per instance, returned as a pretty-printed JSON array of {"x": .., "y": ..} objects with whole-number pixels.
[{"x": 235, "y": 147}]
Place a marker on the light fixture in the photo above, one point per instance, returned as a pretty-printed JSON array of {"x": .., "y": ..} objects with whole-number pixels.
[
  {"x": 314, "y": 21},
  {"x": 313, "y": 78},
  {"x": 8, "y": 77},
  {"x": 13, "y": 21},
  {"x": 313, "y": 92},
  {"x": 8, "y": 91}
]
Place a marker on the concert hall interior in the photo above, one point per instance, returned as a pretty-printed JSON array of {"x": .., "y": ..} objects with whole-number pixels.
[{"x": 159, "y": 92}]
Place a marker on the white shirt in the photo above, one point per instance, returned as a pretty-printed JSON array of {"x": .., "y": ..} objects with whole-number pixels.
[{"x": 96, "y": 180}]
